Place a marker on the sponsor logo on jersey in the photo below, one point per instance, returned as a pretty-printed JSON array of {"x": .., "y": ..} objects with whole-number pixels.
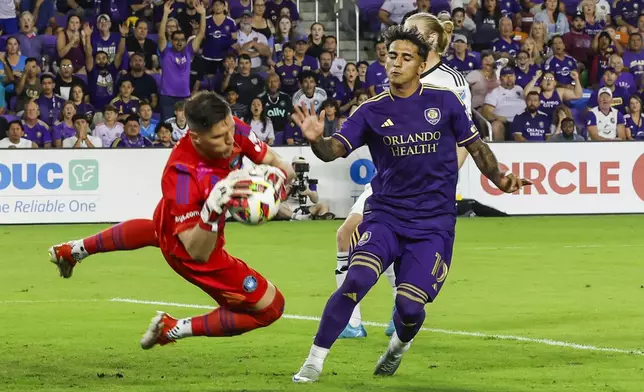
[{"x": 185, "y": 217}]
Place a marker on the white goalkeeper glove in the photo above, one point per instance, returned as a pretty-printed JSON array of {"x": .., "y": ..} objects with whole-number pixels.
[
  {"x": 276, "y": 176},
  {"x": 235, "y": 185}
]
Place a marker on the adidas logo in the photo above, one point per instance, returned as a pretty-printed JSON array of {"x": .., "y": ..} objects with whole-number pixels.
[{"x": 387, "y": 123}]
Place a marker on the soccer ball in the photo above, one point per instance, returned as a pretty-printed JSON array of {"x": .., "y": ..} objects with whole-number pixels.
[{"x": 261, "y": 205}]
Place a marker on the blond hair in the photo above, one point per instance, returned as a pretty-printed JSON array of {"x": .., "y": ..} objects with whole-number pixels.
[{"x": 428, "y": 24}]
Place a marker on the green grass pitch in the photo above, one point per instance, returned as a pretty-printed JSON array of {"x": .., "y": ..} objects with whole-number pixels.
[{"x": 577, "y": 280}]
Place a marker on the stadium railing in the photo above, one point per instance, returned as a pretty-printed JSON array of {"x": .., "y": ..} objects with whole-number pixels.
[
  {"x": 337, "y": 8},
  {"x": 485, "y": 124}
]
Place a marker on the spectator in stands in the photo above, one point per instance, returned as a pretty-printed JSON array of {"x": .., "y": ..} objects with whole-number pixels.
[
  {"x": 577, "y": 42},
  {"x": 338, "y": 64},
  {"x": 421, "y": 6},
  {"x": 561, "y": 112},
  {"x": 145, "y": 87},
  {"x": 28, "y": 87},
  {"x": 15, "y": 137},
  {"x": 251, "y": 43},
  {"x": 293, "y": 135},
  {"x": 285, "y": 34},
  {"x": 503, "y": 104},
  {"x": 49, "y": 104},
  {"x": 376, "y": 78},
  {"x": 640, "y": 25},
  {"x": 5, "y": 79},
  {"x": 118, "y": 9},
  {"x": 483, "y": 81},
  {"x": 42, "y": 12},
  {"x": 238, "y": 7},
  {"x": 350, "y": 86},
  {"x": 125, "y": 103},
  {"x": 247, "y": 83},
  {"x": 103, "y": 39},
  {"x": 309, "y": 95},
  {"x": 147, "y": 124},
  {"x": 634, "y": 56},
  {"x": 362, "y": 70},
  {"x": 15, "y": 60},
  {"x": 392, "y": 12},
  {"x": 326, "y": 81},
  {"x": 532, "y": 125},
  {"x": 176, "y": 61},
  {"x": 487, "y": 20},
  {"x": 237, "y": 108},
  {"x": 551, "y": 96},
  {"x": 525, "y": 69},
  {"x": 70, "y": 43},
  {"x": 8, "y": 22},
  {"x": 625, "y": 79},
  {"x": 35, "y": 130},
  {"x": 308, "y": 63},
  {"x": 634, "y": 120},
  {"x": 77, "y": 96},
  {"x": 259, "y": 22},
  {"x": 278, "y": 106},
  {"x": 143, "y": 9},
  {"x": 30, "y": 44},
  {"x": 65, "y": 79},
  {"x": 603, "y": 47},
  {"x": 102, "y": 75},
  {"x": 555, "y": 20},
  {"x": 110, "y": 129},
  {"x": 618, "y": 94},
  {"x": 288, "y": 70},
  {"x": 274, "y": 10},
  {"x": 561, "y": 64},
  {"x": 82, "y": 137},
  {"x": 171, "y": 26},
  {"x": 461, "y": 60},
  {"x": 538, "y": 34},
  {"x": 221, "y": 34},
  {"x": 131, "y": 136},
  {"x": 140, "y": 43},
  {"x": 331, "y": 117},
  {"x": 505, "y": 43},
  {"x": 316, "y": 40},
  {"x": 593, "y": 24},
  {"x": 64, "y": 127},
  {"x": 567, "y": 133},
  {"x": 458, "y": 17},
  {"x": 78, "y": 6},
  {"x": 179, "y": 123},
  {"x": 163, "y": 136},
  {"x": 260, "y": 124},
  {"x": 188, "y": 18},
  {"x": 361, "y": 96},
  {"x": 604, "y": 122}
]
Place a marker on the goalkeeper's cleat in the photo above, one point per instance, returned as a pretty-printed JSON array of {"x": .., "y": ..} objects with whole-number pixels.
[
  {"x": 353, "y": 332},
  {"x": 157, "y": 332},
  {"x": 65, "y": 256},
  {"x": 308, "y": 373},
  {"x": 391, "y": 328}
]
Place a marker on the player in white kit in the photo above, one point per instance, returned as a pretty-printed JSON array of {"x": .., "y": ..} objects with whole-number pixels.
[{"x": 438, "y": 74}]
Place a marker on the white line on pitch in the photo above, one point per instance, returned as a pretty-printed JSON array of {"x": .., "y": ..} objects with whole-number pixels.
[
  {"x": 547, "y": 342},
  {"x": 579, "y": 246}
]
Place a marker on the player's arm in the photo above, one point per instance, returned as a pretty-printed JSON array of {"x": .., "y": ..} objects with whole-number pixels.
[
  {"x": 274, "y": 159},
  {"x": 461, "y": 156}
]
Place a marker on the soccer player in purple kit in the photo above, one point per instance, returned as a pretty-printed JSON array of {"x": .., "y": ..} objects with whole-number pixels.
[{"x": 410, "y": 217}]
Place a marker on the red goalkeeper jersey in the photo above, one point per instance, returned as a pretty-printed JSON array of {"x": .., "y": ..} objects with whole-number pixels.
[{"x": 186, "y": 183}]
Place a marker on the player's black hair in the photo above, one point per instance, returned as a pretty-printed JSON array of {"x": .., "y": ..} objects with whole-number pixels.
[
  {"x": 204, "y": 110},
  {"x": 531, "y": 93},
  {"x": 307, "y": 74},
  {"x": 15, "y": 122},
  {"x": 47, "y": 76},
  {"x": 400, "y": 33}
]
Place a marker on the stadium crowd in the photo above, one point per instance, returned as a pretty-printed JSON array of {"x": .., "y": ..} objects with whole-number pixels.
[{"x": 115, "y": 73}]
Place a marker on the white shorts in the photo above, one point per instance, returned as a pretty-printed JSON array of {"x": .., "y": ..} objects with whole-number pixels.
[{"x": 358, "y": 206}]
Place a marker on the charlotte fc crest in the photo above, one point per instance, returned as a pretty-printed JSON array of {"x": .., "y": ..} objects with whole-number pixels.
[{"x": 432, "y": 115}]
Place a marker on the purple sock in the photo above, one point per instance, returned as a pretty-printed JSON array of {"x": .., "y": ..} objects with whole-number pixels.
[
  {"x": 339, "y": 307},
  {"x": 408, "y": 318}
]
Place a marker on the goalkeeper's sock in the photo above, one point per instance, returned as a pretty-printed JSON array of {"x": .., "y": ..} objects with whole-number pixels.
[
  {"x": 340, "y": 275},
  {"x": 129, "y": 235},
  {"x": 224, "y": 322}
]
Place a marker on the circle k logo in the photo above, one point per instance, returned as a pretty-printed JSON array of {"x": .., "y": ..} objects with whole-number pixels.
[{"x": 638, "y": 177}]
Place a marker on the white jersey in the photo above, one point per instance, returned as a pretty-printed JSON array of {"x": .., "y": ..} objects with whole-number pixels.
[
  {"x": 177, "y": 131},
  {"x": 606, "y": 123},
  {"x": 300, "y": 99},
  {"x": 23, "y": 143}
]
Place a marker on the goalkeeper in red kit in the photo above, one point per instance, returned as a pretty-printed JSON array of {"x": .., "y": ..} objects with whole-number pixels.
[{"x": 202, "y": 179}]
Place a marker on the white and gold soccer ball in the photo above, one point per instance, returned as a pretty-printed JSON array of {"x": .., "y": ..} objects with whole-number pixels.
[{"x": 262, "y": 203}]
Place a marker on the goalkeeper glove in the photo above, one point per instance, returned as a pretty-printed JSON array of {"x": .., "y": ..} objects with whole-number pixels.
[
  {"x": 234, "y": 186},
  {"x": 274, "y": 175}
]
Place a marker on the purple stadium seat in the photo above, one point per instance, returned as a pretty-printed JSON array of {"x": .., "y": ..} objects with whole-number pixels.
[
  {"x": 12, "y": 103},
  {"x": 279, "y": 139},
  {"x": 61, "y": 20},
  {"x": 49, "y": 46},
  {"x": 154, "y": 37}
]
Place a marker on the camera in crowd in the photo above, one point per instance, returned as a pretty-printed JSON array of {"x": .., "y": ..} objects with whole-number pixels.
[{"x": 302, "y": 180}]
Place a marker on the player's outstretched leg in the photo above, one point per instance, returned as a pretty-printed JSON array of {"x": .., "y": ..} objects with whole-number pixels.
[
  {"x": 354, "y": 328},
  {"x": 361, "y": 276},
  {"x": 391, "y": 277},
  {"x": 220, "y": 322},
  {"x": 409, "y": 316},
  {"x": 129, "y": 235}
]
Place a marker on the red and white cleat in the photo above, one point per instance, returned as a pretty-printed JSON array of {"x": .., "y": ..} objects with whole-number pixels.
[
  {"x": 65, "y": 259},
  {"x": 157, "y": 332}
]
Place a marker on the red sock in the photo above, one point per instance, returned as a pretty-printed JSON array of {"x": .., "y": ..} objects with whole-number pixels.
[
  {"x": 128, "y": 235},
  {"x": 224, "y": 322}
]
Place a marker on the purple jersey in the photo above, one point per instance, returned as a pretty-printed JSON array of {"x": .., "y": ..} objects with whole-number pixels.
[
  {"x": 237, "y": 9},
  {"x": 628, "y": 10},
  {"x": 332, "y": 85},
  {"x": 637, "y": 130},
  {"x": 625, "y": 80},
  {"x": 635, "y": 63},
  {"x": 108, "y": 46},
  {"x": 308, "y": 63},
  {"x": 561, "y": 68},
  {"x": 39, "y": 133},
  {"x": 62, "y": 131},
  {"x": 86, "y": 109},
  {"x": 219, "y": 38},
  {"x": 289, "y": 76},
  {"x": 533, "y": 128},
  {"x": 129, "y": 107},
  {"x": 411, "y": 141},
  {"x": 509, "y": 8},
  {"x": 50, "y": 108},
  {"x": 102, "y": 84},
  {"x": 523, "y": 78},
  {"x": 548, "y": 105},
  {"x": 273, "y": 10},
  {"x": 126, "y": 142},
  {"x": 502, "y": 46},
  {"x": 595, "y": 28},
  {"x": 175, "y": 80},
  {"x": 377, "y": 77},
  {"x": 469, "y": 63},
  {"x": 571, "y": 6}
]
